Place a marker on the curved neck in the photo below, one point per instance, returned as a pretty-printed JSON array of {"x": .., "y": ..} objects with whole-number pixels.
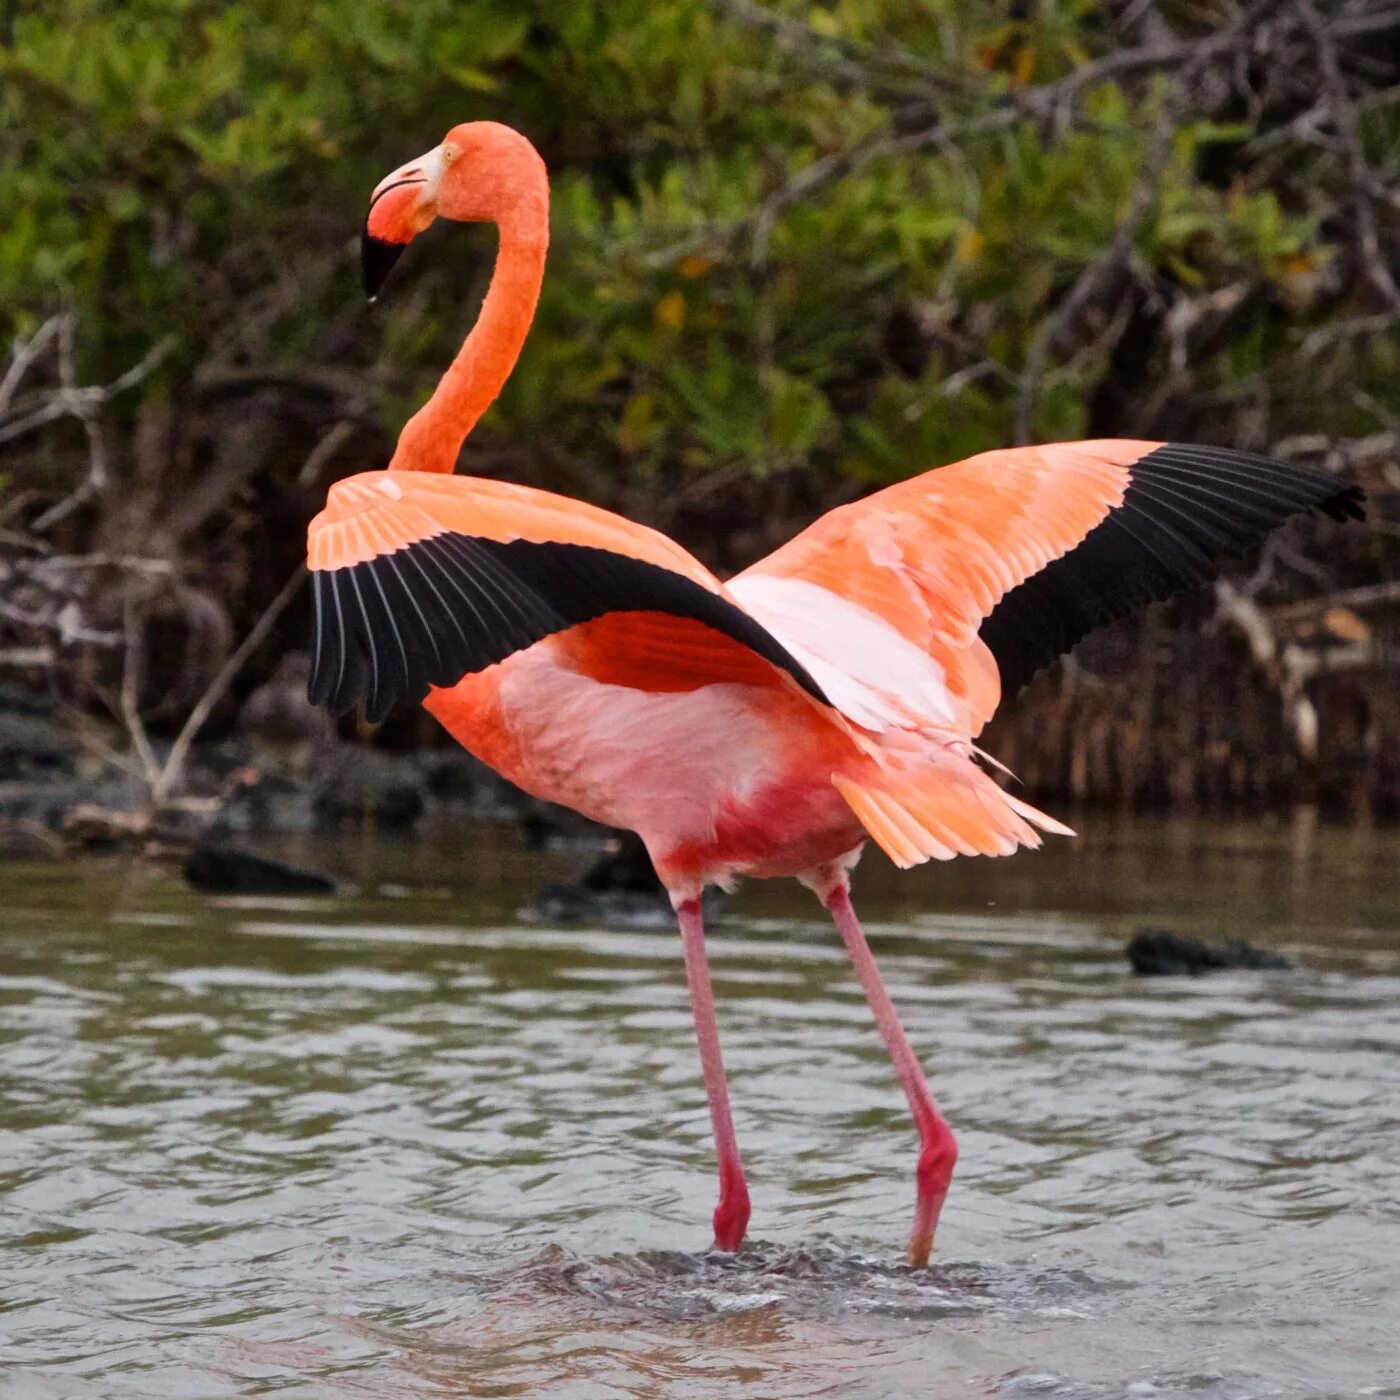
[{"x": 433, "y": 437}]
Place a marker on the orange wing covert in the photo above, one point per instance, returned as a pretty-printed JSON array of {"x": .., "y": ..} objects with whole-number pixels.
[
  {"x": 420, "y": 579},
  {"x": 1014, "y": 555}
]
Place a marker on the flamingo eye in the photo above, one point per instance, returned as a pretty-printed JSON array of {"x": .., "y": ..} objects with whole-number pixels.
[{"x": 449, "y": 154}]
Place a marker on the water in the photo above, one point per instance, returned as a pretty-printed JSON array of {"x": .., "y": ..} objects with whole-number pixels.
[{"x": 401, "y": 1144}]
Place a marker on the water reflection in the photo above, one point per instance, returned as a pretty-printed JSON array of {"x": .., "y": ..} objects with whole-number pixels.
[{"x": 405, "y": 1146}]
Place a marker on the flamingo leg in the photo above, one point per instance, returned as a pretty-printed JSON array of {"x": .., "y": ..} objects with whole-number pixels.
[
  {"x": 938, "y": 1152},
  {"x": 732, "y": 1212}
]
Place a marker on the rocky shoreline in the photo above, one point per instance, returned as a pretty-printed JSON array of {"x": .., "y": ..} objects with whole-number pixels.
[
  {"x": 69, "y": 789},
  {"x": 66, "y": 785}
]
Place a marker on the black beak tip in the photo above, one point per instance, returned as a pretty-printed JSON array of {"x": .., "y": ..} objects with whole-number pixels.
[{"x": 376, "y": 259}]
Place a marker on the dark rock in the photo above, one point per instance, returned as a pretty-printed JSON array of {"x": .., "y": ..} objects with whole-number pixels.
[
  {"x": 93, "y": 826},
  {"x": 42, "y": 802},
  {"x": 538, "y": 830},
  {"x": 223, "y": 870},
  {"x": 22, "y": 839},
  {"x": 34, "y": 745},
  {"x": 455, "y": 780},
  {"x": 621, "y": 887},
  {"x": 550, "y": 828},
  {"x": 1158, "y": 952},
  {"x": 398, "y": 807},
  {"x": 286, "y": 732},
  {"x": 454, "y": 776},
  {"x": 626, "y": 868},
  {"x": 363, "y": 786},
  {"x": 568, "y": 904},
  {"x": 259, "y": 801}
]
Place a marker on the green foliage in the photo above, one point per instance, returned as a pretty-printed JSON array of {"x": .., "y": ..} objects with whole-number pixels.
[{"x": 200, "y": 169}]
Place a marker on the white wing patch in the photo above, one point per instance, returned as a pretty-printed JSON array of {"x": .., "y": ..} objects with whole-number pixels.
[{"x": 868, "y": 670}]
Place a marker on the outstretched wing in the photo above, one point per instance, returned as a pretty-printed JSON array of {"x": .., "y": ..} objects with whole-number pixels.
[
  {"x": 924, "y": 603},
  {"x": 420, "y": 579}
]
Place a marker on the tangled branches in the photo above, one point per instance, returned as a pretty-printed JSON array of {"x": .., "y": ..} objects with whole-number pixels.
[
  {"x": 1129, "y": 335},
  {"x": 80, "y": 617},
  {"x": 800, "y": 251}
]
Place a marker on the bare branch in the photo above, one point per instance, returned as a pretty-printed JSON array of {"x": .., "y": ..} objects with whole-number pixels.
[
  {"x": 1348, "y": 128},
  {"x": 1277, "y": 661},
  {"x": 23, "y": 354},
  {"x": 1376, "y": 595},
  {"x": 1004, "y": 111},
  {"x": 1326, "y": 336},
  {"x": 27, "y": 658},
  {"x": 836, "y": 167},
  {"x": 842, "y": 59},
  {"x": 132, "y": 667},
  {"x": 87, "y": 405},
  {"x": 1368, "y": 21},
  {"x": 65, "y": 621},
  {"x": 1096, "y": 275},
  {"x": 128, "y": 563},
  {"x": 324, "y": 450},
  {"x": 168, "y": 776}
]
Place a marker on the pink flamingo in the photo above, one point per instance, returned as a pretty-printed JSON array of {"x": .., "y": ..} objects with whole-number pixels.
[{"x": 770, "y": 725}]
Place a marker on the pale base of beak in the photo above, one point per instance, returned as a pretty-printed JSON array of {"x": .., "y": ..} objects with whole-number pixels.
[
  {"x": 423, "y": 174},
  {"x": 403, "y": 205}
]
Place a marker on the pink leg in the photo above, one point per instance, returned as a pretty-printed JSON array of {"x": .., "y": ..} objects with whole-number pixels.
[
  {"x": 938, "y": 1147},
  {"x": 732, "y": 1213}
]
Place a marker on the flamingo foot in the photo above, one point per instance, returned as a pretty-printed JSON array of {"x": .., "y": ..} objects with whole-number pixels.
[
  {"x": 732, "y": 1213},
  {"x": 933, "y": 1176}
]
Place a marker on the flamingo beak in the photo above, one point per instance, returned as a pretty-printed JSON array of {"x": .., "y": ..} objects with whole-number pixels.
[{"x": 402, "y": 206}]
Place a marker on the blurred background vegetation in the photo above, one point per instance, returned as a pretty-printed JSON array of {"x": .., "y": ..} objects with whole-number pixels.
[{"x": 798, "y": 250}]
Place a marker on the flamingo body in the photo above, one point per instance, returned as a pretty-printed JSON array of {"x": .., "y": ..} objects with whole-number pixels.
[
  {"x": 720, "y": 781},
  {"x": 771, "y": 725}
]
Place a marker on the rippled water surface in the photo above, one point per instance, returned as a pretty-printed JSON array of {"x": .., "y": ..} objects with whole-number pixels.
[{"x": 400, "y": 1143}]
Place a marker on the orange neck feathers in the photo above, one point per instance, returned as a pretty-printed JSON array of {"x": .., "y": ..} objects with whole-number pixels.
[{"x": 433, "y": 437}]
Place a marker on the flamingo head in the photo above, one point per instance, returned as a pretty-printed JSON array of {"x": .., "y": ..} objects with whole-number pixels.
[{"x": 482, "y": 172}]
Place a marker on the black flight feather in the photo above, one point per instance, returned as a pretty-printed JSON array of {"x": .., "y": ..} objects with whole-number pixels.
[{"x": 1185, "y": 509}]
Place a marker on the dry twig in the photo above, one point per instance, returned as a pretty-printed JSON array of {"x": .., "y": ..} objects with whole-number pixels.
[
  {"x": 172, "y": 770},
  {"x": 1344, "y": 120}
]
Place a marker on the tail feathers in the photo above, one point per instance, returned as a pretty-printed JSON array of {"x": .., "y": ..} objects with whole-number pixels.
[
  {"x": 1036, "y": 817},
  {"x": 941, "y": 810}
]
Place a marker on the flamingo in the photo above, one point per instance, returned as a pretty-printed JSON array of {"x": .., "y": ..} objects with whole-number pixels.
[{"x": 766, "y": 726}]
